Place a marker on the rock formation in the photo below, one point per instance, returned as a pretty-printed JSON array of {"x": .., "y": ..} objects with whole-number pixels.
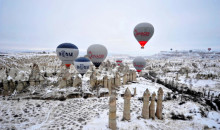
[
  {"x": 110, "y": 86},
  {"x": 93, "y": 79},
  {"x": 105, "y": 80},
  {"x": 125, "y": 79},
  {"x": 145, "y": 109},
  {"x": 112, "y": 112},
  {"x": 77, "y": 82},
  {"x": 127, "y": 97},
  {"x": 117, "y": 80},
  {"x": 134, "y": 76},
  {"x": 152, "y": 106},
  {"x": 159, "y": 103}
]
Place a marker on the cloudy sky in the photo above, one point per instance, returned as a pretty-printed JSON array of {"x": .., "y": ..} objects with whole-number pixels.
[{"x": 44, "y": 24}]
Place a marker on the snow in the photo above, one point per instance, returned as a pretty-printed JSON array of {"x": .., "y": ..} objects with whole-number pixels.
[
  {"x": 92, "y": 113},
  {"x": 141, "y": 85},
  {"x": 9, "y": 78},
  {"x": 139, "y": 123}
]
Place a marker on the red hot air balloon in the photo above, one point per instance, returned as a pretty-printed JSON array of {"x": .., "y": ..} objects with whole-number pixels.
[
  {"x": 139, "y": 63},
  {"x": 143, "y": 32},
  {"x": 119, "y": 62},
  {"x": 209, "y": 49},
  {"x": 97, "y": 54}
]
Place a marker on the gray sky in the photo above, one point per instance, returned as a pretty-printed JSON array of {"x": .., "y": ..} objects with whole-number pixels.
[{"x": 44, "y": 24}]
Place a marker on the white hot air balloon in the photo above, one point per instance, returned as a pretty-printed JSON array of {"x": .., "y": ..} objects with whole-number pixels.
[
  {"x": 97, "y": 54},
  {"x": 139, "y": 63},
  {"x": 143, "y": 33},
  {"x": 82, "y": 65},
  {"x": 67, "y": 53}
]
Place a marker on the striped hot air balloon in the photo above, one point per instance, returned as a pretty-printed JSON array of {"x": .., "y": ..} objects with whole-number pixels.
[
  {"x": 82, "y": 65},
  {"x": 67, "y": 53}
]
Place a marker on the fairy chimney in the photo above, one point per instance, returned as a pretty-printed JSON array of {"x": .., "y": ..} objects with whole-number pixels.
[
  {"x": 127, "y": 97},
  {"x": 112, "y": 112},
  {"x": 117, "y": 80},
  {"x": 134, "y": 76},
  {"x": 152, "y": 106},
  {"x": 145, "y": 109},
  {"x": 159, "y": 103},
  {"x": 93, "y": 79},
  {"x": 105, "y": 80},
  {"x": 125, "y": 79}
]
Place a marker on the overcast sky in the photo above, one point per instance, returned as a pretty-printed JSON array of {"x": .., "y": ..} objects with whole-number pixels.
[{"x": 44, "y": 24}]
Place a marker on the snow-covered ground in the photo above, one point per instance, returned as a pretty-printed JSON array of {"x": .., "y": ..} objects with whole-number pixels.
[
  {"x": 92, "y": 113},
  {"x": 19, "y": 112}
]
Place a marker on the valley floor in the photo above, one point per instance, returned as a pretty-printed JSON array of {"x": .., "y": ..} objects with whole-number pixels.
[{"x": 92, "y": 113}]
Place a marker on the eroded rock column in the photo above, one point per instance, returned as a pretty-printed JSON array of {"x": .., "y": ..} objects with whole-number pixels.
[
  {"x": 126, "y": 112},
  {"x": 112, "y": 112},
  {"x": 117, "y": 80},
  {"x": 152, "y": 106},
  {"x": 145, "y": 109},
  {"x": 20, "y": 86},
  {"x": 105, "y": 80},
  {"x": 159, "y": 103},
  {"x": 134, "y": 76},
  {"x": 130, "y": 76},
  {"x": 110, "y": 86},
  {"x": 93, "y": 79},
  {"x": 125, "y": 79}
]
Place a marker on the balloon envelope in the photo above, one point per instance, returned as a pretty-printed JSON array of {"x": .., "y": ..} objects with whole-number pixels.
[
  {"x": 143, "y": 33},
  {"x": 67, "y": 53},
  {"x": 82, "y": 65},
  {"x": 139, "y": 63},
  {"x": 97, "y": 54},
  {"x": 209, "y": 49},
  {"x": 119, "y": 61}
]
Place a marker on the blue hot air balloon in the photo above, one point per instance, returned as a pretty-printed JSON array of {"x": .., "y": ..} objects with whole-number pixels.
[
  {"x": 67, "y": 53},
  {"x": 82, "y": 65}
]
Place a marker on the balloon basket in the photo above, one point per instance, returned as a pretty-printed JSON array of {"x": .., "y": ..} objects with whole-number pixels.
[{"x": 142, "y": 47}]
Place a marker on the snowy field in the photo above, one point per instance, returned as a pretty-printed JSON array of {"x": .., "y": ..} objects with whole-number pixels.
[
  {"x": 92, "y": 113},
  {"x": 194, "y": 72}
]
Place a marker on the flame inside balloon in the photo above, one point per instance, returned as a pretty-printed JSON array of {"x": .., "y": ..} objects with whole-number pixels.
[
  {"x": 142, "y": 43},
  {"x": 138, "y": 70},
  {"x": 67, "y": 65}
]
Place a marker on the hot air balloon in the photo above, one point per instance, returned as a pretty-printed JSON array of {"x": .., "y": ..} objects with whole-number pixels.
[
  {"x": 82, "y": 65},
  {"x": 97, "y": 54},
  {"x": 139, "y": 63},
  {"x": 119, "y": 62},
  {"x": 143, "y": 32},
  {"x": 67, "y": 53},
  {"x": 171, "y": 49},
  {"x": 209, "y": 49}
]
